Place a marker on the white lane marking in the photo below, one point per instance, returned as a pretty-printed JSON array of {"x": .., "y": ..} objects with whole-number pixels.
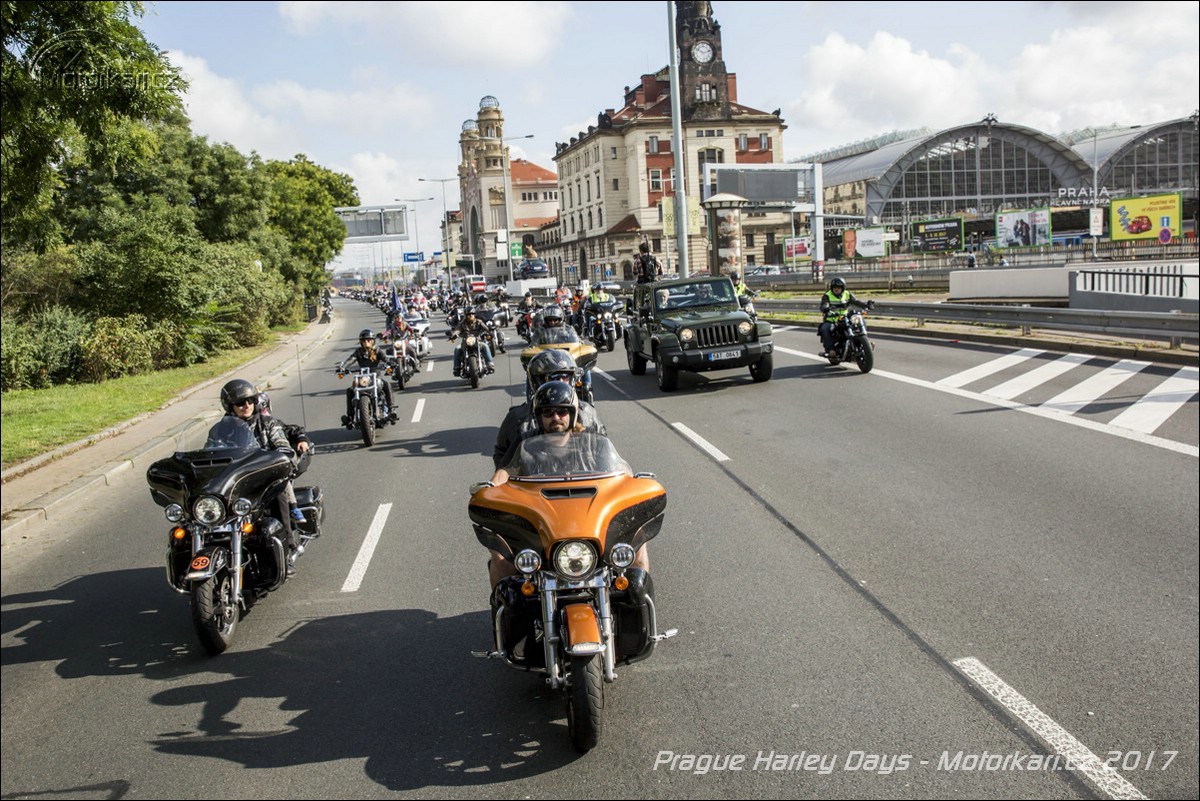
[
  {"x": 1035, "y": 378},
  {"x": 429, "y": 369},
  {"x": 359, "y": 569},
  {"x": 700, "y": 441},
  {"x": 603, "y": 374},
  {"x": 1152, "y": 409},
  {"x": 416, "y": 418},
  {"x": 989, "y": 368},
  {"x": 1036, "y": 411},
  {"x": 1101, "y": 776},
  {"x": 1087, "y": 392}
]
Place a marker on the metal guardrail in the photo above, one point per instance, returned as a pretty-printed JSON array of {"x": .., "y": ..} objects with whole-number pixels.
[{"x": 1154, "y": 325}]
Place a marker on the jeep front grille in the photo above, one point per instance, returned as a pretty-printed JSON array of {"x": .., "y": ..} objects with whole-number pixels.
[{"x": 712, "y": 336}]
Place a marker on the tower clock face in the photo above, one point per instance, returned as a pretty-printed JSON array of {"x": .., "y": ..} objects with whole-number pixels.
[{"x": 702, "y": 52}]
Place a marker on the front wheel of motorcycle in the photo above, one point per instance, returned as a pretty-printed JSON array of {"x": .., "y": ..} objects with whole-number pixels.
[
  {"x": 610, "y": 341},
  {"x": 473, "y": 366},
  {"x": 215, "y": 612},
  {"x": 864, "y": 354},
  {"x": 366, "y": 420},
  {"x": 585, "y": 702}
]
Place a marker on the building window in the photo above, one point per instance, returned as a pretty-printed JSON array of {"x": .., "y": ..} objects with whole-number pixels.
[
  {"x": 749, "y": 240},
  {"x": 600, "y": 217},
  {"x": 616, "y": 184},
  {"x": 656, "y": 245},
  {"x": 763, "y": 142},
  {"x": 590, "y": 225},
  {"x": 770, "y": 238},
  {"x": 706, "y": 92},
  {"x": 597, "y": 186},
  {"x": 614, "y": 152},
  {"x": 589, "y": 192},
  {"x": 743, "y": 142},
  {"x": 652, "y": 145},
  {"x": 656, "y": 180},
  {"x": 570, "y": 196}
]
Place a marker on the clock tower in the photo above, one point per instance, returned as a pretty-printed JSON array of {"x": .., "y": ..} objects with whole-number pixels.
[{"x": 703, "y": 81}]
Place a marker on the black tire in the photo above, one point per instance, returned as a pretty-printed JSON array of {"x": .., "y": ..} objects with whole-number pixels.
[
  {"x": 668, "y": 377},
  {"x": 637, "y": 362},
  {"x": 610, "y": 341},
  {"x": 761, "y": 370},
  {"x": 864, "y": 354},
  {"x": 366, "y": 420},
  {"x": 215, "y": 612},
  {"x": 585, "y": 702},
  {"x": 398, "y": 372},
  {"x": 473, "y": 366}
]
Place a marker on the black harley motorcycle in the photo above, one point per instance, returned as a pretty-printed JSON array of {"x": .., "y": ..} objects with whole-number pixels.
[
  {"x": 229, "y": 545},
  {"x": 851, "y": 342}
]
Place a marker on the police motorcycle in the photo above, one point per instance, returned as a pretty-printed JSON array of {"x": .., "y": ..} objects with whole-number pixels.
[
  {"x": 851, "y": 342},
  {"x": 603, "y": 324},
  {"x": 370, "y": 409},
  {"x": 571, "y": 523},
  {"x": 228, "y": 546}
]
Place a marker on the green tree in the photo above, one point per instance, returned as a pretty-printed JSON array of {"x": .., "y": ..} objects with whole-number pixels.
[{"x": 69, "y": 69}]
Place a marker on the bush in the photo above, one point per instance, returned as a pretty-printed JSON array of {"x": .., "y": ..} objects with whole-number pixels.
[
  {"x": 118, "y": 346},
  {"x": 43, "y": 351},
  {"x": 17, "y": 363}
]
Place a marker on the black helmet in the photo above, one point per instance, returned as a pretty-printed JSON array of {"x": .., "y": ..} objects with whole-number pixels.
[
  {"x": 555, "y": 395},
  {"x": 481, "y": 298},
  {"x": 237, "y": 390},
  {"x": 366, "y": 333},
  {"x": 552, "y": 316},
  {"x": 837, "y": 283},
  {"x": 528, "y": 293},
  {"x": 734, "y": 277},
  {"x": 469, "y": 310},
  {"x": 551, "y": 363}
]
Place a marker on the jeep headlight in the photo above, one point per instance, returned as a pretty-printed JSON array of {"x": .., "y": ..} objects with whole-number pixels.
[
  {"x": 745, "y": 327},
  {"x": 686, "y": 335},
  {"x": 574, "y": 560},
  {"x": 208, "y": 510}
]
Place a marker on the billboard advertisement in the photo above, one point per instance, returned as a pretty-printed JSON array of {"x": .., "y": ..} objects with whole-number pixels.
[
  {"x": 871, "y": 244},
  {"x": 799, "y": 248},
  {"x": 1023, "y": 228},
  {"x": 937, "y": 236},
  {"x": 1151, "y": 217}
]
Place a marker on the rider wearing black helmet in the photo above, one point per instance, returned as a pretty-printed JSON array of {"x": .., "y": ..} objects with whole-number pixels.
[
  {"x": 471, "y": 326},
  {"x": 519, "y": 423},
  {"x": 240, "y": 399},
  {"x": 367, "y": 355},
  {"x": 834, "y": 305}
]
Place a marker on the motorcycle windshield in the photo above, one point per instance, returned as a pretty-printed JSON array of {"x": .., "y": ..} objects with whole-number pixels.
[
  {"x": 567, "y": 455},
  {"x": 558, "y": 335},
  {"x": 230, "y": 433}
]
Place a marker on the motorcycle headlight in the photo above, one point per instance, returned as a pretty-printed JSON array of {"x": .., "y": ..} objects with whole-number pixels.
[
  {"x": 744, "y": 327},
  {"x": 242, "y": 507},
  {"x": 686, "y": 335},
  {"x": 575, "y": 560},
  {"x": 470, "y": 342},
  {"x": 174, "y": 513},
  {"x": 528, "y": 561},
  {"x": 208, "y": 510},
  {"x": 622, "y": 555},
  {"x": 608, "y": 315},
  {"x": 364, "y": 381}
]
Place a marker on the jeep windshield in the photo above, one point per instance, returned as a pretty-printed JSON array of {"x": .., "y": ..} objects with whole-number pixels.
[{"x": 701, "y": 293}]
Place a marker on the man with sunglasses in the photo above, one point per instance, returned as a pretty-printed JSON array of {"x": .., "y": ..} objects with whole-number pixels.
[
  {"x": 240, "y": 399},
  {"x": 520, "y": 423},
  {"x": 367, "y": 355}
]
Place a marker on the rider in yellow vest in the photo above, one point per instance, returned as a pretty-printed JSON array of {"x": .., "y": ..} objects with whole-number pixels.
[{"x": 834, "y": 305}]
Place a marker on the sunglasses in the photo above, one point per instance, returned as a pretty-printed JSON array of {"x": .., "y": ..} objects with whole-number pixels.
[
  {"x": 244, "y": 402},
  {"x": 555, "y": 412}
]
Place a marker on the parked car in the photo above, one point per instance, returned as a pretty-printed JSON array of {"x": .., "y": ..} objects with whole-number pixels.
[
  {"x": 533, "y": 268},
  {"x": 766, "y": 269}
]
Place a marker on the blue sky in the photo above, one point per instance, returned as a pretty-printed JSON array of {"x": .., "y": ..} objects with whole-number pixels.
[{"x": 380, "y": 90}]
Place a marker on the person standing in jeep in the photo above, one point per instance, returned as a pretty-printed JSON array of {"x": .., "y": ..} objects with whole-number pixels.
[{"x": 648, "y": 268}]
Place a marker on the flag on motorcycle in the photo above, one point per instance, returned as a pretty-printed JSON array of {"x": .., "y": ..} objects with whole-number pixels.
[{"x": 395, "y": 300}]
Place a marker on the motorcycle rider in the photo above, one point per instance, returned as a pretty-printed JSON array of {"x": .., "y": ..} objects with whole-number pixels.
[
  {"x": 647, "y": 267},
  {"x": 594, "y": 298},
  {"x": 555, "y": 411},
  {"x": 519, "y": 423},
  {"x": 739, "y": 286},
  {"x": 578, "y": 301},
  {"x": 367, "y": 355},
  {"x": 834, "y": 306},
  {"x": 240, "y": 399},
  {"x": 471, "y": 326}
]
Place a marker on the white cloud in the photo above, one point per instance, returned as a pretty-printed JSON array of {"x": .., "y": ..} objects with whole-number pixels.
[
  {"x": 499, "y": 35},
  {"x": 220, "y": 109},
  {"x": 371, "y": 109}
]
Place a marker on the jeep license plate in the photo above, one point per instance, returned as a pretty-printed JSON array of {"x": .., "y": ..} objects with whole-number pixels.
[{"x": 724, "y": 354}]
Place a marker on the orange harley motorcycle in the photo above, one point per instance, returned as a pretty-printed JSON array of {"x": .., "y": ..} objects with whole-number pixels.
[{"x": 571, "y": 518}]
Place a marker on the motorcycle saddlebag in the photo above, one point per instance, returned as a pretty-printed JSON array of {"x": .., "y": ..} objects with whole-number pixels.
[{"x": 312, "y": 502}]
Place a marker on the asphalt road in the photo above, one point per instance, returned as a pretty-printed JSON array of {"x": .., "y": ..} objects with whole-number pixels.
[{"x": 870, "y": 574}]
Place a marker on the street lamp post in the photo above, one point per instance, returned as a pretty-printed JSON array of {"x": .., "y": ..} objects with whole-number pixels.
[
  {"x": 416, "y": 222},
  {"x": 508, "y": 207},
  {"x": 445, "y": 222}
]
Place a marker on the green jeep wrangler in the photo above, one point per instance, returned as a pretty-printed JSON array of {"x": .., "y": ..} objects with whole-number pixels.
[{"x": 694, "y": 324}]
